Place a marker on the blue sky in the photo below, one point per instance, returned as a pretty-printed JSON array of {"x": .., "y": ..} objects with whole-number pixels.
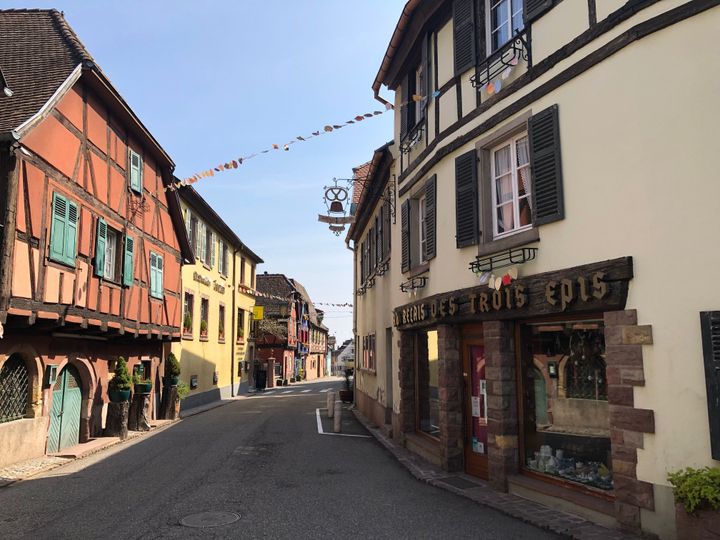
[{"x": 215, "y": 80}]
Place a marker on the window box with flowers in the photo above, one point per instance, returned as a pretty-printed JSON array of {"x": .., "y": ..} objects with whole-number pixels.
[{"x": 204, "y": 311}]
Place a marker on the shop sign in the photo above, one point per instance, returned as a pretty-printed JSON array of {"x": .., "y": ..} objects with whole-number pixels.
[
  {"x": 599, "y": 286},
  {"x": 218, "y": 287},
  {"x": 201, "y": 279}
]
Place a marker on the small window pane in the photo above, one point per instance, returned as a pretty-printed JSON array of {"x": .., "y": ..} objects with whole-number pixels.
[
  {"x": 502, "y": 161},
  {"x": 110, "y": 253},
  {"x": 523, "y": 152},
  {"x": 525, "y": 212},
  {"x": 505, "y": 218},
  {"x": 500, "y": 24},
  {"x": 503, "y": 188}
]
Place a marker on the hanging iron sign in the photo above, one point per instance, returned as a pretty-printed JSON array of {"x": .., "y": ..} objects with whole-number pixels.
[
  {"x": 336, "y": 220},
  {"x": 335, "y": 197}
]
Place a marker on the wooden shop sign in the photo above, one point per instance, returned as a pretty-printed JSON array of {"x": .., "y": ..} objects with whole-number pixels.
[{"x": 594, "y": 287}]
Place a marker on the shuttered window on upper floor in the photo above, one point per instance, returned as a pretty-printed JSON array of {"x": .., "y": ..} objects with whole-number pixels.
[
  {"x": 135, "y": 171},
  {"x": 63, "y": 230},
  {"x": 156, "y": 275},
  {"x": 128, "y": 261}
]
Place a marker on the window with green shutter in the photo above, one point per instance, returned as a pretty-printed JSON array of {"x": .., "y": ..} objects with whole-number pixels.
[
  {"x": 135, "y": 166},
  {"x": 128, "y": 261},
  {"x": 63, "y": 230},
  {"x": 100, "y": 247},
  {"x": 156, "y": 275}
]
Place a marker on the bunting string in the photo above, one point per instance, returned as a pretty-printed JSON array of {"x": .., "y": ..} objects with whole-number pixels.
[
  {"x": 328, "y": 128},
  {"x": 254, "y": 292}
]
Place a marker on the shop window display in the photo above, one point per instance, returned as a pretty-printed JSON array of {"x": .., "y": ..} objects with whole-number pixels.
[
  {"x": 565, "y": 410},
  {"x": 428, "y": 406}
]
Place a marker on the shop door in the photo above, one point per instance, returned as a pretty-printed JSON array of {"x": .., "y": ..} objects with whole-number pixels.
[
  {"x": 476, "y": 434},
  {"x": 65, "y": 413}
]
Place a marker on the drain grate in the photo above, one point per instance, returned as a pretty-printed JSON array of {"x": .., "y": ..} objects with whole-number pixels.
[{"x": 209, "y": 519}]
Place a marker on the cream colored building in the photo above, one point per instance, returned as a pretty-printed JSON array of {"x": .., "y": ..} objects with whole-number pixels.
[
  {"x": 217, "y": 303},
  {"x": 558, "y": 153}
]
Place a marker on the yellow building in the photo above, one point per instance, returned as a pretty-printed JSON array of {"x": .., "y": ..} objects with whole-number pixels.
[
  {"x": 217, "y": 305},
  {"x": 556, "y": 202}
]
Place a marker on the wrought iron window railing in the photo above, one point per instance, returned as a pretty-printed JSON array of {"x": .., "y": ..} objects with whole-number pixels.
[
  {"x": 14, "y": 390},
  {"x": 412, "y": 137},
  {"x": 506, "y": 56}
]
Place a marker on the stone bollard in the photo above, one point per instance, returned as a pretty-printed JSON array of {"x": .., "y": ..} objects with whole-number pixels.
[
  {"x": 338, "y": 417},
  {"x": 330, "y": 404}
]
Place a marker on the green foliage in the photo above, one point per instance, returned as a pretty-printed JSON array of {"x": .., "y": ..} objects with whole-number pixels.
[
  {"x": 183, "y": 390},
  {"x": 187, "y": 323},
  {"x": 697, "y": 489},
  {"x": 172, "y": 366},
  {"x": 121, "y": 380},
  {"x": 203, "y": 328},
  {"x": 136, "y": 379}
]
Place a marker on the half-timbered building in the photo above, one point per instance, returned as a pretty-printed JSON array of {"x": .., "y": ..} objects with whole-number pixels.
[
  {"x": 92, "y": 241},
  {"x": 555, "y": 324}
]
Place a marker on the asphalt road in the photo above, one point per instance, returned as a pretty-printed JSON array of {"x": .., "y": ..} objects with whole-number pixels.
[{"x": 261, "y": 458}]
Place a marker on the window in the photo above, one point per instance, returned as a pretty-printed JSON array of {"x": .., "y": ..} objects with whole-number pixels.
[
  {"x": 156, "y": 275},
  {"x": 63, "y": 231},
  {"x": 510, "y": 175},
  {"x": 505, "y": 19},
  {"x": 223, "y": 258},
  {"x": 252, "y": 276},
  {"x": 14, "y": 389},
  {"x": 419, "y": 89},
  {"x": 209, "y": 257},
  {"x": 194, "y": 236},
  {"x": 204, "y": 314},
  {"x": 128, "y": 261},
  {"x": 135, "y": 167},
  {"x": 240, "y": 324},
  {"x": 221, "y": 323},
  {"x": 200, "y": 241},
  {"x": 379, "y": 240},
  {"x": 422, "y": 230},
  {"x": 188, "y": 304},
  {"x": 369, "y": 352},
  {"x": 242, "y": 270},
  {"x": 566, "y": 419},
  {"x": 111, "y": 248}
]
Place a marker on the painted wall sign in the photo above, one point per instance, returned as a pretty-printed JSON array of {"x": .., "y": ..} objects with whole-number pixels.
[
  {"x": 595, "y": 287},
  {"x": 201, "y": 279},
  {"x": 218, "y": 287}
]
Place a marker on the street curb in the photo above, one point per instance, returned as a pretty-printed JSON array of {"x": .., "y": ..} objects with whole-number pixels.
[{"x": 530, "y": 512}]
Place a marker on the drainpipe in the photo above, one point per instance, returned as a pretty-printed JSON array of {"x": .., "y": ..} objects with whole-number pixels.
[{"x": 233, "y": 338}]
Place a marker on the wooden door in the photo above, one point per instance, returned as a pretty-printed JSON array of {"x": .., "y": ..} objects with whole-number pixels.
[
  {"x": 476, "y": 429},
  {"x": 65, "y": 414}
]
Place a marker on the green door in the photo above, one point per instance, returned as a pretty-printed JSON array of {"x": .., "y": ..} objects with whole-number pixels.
[{"x": 65, "y": 413}]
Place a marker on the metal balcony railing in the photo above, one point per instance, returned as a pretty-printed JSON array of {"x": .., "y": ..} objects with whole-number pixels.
[{"x": 510, "y": 54}]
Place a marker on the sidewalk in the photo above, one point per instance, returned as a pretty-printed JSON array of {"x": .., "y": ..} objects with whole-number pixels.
[{"x": 475, "y": 489}]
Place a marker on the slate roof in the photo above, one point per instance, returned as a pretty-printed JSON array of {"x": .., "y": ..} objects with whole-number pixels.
[
  {"x": 275, "y": 284},
  {"x": 38, "y": 51}
]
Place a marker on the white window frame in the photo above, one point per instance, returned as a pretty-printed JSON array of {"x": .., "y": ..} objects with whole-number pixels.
[
  {"x": 512, "y": 142},
  {"x": 111, "y": 247},
  {"x": 489, "y": 4},
  {"x": 422, "y": 230}
]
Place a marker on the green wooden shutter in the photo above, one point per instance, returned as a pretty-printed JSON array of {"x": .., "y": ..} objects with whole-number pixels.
[
  {"x": 466, "y": 200},
  {"x": 159, "y": 272},
  {"x": 71, "y": 230},
  {"x": 405, "y": 234},
  {"x": 136, "y": 171},
  {"x": 100, "y": 247},
  {"x": 430, "y": 218},
  {"x": 153, "y": 276},
  {"x": 546, "y": 167},
  {"x": 128, "y": 266},
  {"x": 464, "y": 35},
  {"x": 58, "y": 228}
]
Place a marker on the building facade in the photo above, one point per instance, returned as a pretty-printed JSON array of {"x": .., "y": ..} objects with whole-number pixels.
[
  {"x": 537, "y": 313},
  {"x": 217, "y": 305},
  {"x": 276, "y": 340},
  {"x": 92, "y": 240}
]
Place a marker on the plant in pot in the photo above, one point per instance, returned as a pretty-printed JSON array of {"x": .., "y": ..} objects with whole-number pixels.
[
  {"x": 141, "y": 386},
  {"x": 120, "y": 385},
  {"x": 172, "y": 370},
  {"x": 346, "y": 395},
  {"x": 697, "y": 502},
  {"x": 187, "y": 324},
  {"x": 203, "y": 328}
]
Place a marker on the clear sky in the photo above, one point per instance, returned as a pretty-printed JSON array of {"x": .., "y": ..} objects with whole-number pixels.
[{"x": 217, "y": 79}]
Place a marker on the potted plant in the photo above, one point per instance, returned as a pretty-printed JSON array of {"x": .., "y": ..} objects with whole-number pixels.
[
  {"x": 141, "y": 386},
  {"x": 172, "y": 370},
  {"x": 120, "y": 385},
  {"x": 697, "y": 502},
  {"x": 346, "y": 395},
  {"x": 203, "y": 328},
  {"x": 187, "y": 324}
]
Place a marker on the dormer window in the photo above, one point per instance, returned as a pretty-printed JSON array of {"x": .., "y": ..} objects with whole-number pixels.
[{"x": 505, "y": 19}]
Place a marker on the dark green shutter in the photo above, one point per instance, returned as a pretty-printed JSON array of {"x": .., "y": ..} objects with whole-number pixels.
[
  {"x": 128, "y": 261},
  {"x": 136, "y": 170},
  {"x": 71, "y": 233},
  {"x": 58, "y": 228},
  {"x": 710, "y": 328},
  {"x": 464, "y": 35},
  {"x": 405, "y": 233},
  {"x": 430, "y": 218},
  {"x": 546, "y": 167},
  {"x": 466, "y": 199},
  {"x": 404, "y": 107},
  {"x": 160, "y": 284},
  {"x": 156, "y": 275},
  {"x": 533, "y": 9},
  {"x": 425, "y": 90},
  {"x": 386, "y": 230},
  {"x": 100, "y": 247}
]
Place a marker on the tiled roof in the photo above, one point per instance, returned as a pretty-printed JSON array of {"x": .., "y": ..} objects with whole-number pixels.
[
  {"x": 275, "y": 284},
  {"x": 38, "y": 51},
  {"x": 360, "y": 175},
  {"x": 312, "y": 313}
]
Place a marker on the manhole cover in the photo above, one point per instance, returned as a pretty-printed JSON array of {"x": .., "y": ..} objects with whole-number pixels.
[{"x": 209, "y": 519}]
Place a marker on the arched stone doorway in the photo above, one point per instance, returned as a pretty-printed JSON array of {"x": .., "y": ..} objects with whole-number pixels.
[{"x": 66, "y": 410}]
